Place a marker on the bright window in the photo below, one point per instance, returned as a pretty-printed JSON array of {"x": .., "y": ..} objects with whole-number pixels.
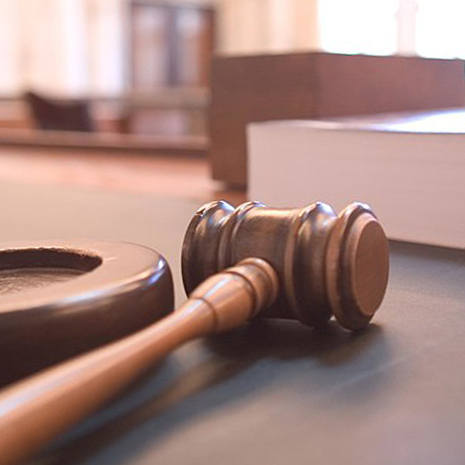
[
  {"x": 429, "y": 28},
  {"x": 358, "y": 26},
  {"x": 440, "y": 28}
]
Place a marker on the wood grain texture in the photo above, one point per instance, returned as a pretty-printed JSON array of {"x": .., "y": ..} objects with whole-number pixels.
[
  {"x": 295, "y": 389},
  {"x": 34, "y": 411},
  {"x": 20, "y": 280},
  {"x": 96, "y": 292},
  {"x": 327, "y": 264}
]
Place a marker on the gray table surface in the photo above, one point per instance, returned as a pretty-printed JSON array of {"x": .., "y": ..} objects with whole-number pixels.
[{"x": 275, "y": 392}]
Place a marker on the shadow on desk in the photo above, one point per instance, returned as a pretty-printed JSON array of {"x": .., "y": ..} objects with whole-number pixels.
[
  {"x": 222, "y": 371},
  {"x": 409, "y": 250}
]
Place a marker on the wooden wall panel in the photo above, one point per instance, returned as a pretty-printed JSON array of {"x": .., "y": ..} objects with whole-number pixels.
[
  {"x": 360, "y": 84},
  {"x": 310, "y": 85},
  {"x": 171, "y": 44},
  {"x": 252, "y": 88}
]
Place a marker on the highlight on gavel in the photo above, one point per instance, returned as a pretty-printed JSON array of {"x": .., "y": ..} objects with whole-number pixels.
[{"x": 238, "y": 263}]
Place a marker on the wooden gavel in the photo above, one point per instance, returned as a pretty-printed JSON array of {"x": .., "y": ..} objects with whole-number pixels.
[{"x": 305, "y": 264}]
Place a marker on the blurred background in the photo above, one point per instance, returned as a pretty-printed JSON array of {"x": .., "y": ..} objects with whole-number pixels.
[
  {"x": 141, "y": 69},
  {"x": 143, "y": 65}
]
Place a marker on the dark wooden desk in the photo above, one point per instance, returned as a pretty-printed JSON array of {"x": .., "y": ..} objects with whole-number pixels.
[{"x": 276, "y": 393}]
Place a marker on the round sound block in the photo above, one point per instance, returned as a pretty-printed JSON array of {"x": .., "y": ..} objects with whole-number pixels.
[{"x": 58, "y": 299}]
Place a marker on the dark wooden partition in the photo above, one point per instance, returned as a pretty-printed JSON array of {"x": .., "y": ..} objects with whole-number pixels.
[
  {"x": 315, "y": 85},
  {"x": 171, "y": 46}
]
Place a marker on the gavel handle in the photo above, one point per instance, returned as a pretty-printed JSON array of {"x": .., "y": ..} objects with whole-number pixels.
[{"x": 34, "y": 411}]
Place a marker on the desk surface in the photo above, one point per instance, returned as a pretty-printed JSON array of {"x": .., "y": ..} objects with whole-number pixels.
[{"x": 275, "y": 392}]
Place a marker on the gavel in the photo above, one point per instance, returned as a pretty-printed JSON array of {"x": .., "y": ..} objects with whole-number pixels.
[{"x": 237, "y": 264}]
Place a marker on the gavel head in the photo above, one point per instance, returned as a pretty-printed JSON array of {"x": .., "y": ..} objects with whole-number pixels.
[{"x": 327, "y": 264}]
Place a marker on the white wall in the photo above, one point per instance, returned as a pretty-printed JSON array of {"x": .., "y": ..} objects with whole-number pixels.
[
  {"x": 262, "y": 26},
  {"x": 69, "y": 47},
  {"x": 107, "y": 42},
  {"x": 78, "y": 47}
]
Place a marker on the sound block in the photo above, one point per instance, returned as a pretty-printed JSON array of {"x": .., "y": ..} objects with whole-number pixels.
[{"x": 62, "y": 298}]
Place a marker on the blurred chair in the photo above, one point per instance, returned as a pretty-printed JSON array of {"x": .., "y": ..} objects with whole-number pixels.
[{"x": 60, "y": 115}]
